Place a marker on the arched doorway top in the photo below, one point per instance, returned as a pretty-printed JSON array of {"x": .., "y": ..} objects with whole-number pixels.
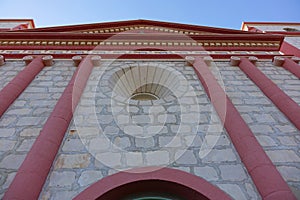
[{"x": 181, "y": 184}]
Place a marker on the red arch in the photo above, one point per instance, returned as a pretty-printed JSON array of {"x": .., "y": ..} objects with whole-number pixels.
[{"x": 144, "y": 179}]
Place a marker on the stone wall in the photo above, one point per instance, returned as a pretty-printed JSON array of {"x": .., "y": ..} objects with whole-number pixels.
[
  {"x": 172, "y": 138},
  {"x": 9, "y": 71},
  {"x": 179, "y": 130},
  {"x": 276, "y": 134},
  {"x": 22, "y": 122}
]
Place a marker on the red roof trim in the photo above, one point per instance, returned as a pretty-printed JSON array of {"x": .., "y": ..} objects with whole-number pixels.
[
  {"x": 139, "y": 48},
  {"x": 142, "y": 37},
  {"x": 138, "y": 22},
  {"x": 145, "y": 56},
  {"x": 156, "y": 36},
  {"x": 286, "y": 33}
]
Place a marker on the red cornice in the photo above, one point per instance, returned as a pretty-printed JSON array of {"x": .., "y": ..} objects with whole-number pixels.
[
  {"x": 228, "y": 40},
  {"x": 147, "y": 56},
  {"x": 286, "y": 33},
  {"x": 137, "y": 22},
  {"x": 4, "y": 29},
  {"x": 163, "y": 38},
  {"x": 139, "y": 48},
  {"x": 133, "y": 36}
]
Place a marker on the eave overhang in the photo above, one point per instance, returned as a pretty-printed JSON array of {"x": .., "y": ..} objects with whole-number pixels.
[{"x": 41, "y": 40}]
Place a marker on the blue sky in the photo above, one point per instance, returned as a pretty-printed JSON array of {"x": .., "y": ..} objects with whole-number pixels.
[{"x": 217, "y": 13}]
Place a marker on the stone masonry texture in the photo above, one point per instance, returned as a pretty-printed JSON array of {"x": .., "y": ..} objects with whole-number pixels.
[
  {"x": 9, "y": 71},
  {"x": 180, "y": 130},
  {"x": 114, "y": 139},
  {"x": 276, "y": 134},
  {"x": 22, "y": 122}
]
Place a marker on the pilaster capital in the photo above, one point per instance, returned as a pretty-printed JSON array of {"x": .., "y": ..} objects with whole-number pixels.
[
  {"x": 48, "y": 60},
  {"x": 77, "y": 60},
  {"x": 253, "y": 59},
  {"x": 235, "y": 61},
  {"x": 190, "y": 60},
  {"x": 28, "y": 59},
  {"x": 2, "y": 60},
  {"x": 278, "y": 60},
  {"x": 96, "y": 60}
]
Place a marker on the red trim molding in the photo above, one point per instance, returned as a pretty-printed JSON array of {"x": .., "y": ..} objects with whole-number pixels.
[
  {"x": 16, "y": 86},
  {"x": 292, "y": 67},
  {"x": 286, "y": 33},
  {"x": 163, "y": 180},
  {"x": 283, "y": 102},
  {"x": 262, "y": 171},
  {"x": 144, "y": 56},
  {"x": 135, "y": 47},
  {"x": 33, "y": 172},
  {"x": 138, "y": 22}
]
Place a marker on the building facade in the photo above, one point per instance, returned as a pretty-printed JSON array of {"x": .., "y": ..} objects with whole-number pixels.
[{"x": 149, "y": 110}]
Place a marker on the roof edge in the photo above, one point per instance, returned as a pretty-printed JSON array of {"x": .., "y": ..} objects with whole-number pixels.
[{"x": 79, "y": 27}]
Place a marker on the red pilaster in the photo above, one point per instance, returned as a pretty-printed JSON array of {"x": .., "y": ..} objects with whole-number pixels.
[
  {"x": 283, "y": 102},
  {"x": 33, "y": 172},
  {"x": 264, "y": 174},
  {"x": 289, "y": 49},
  {"x": 16, "y": 86},
  {"x": 292, "y": 67}
]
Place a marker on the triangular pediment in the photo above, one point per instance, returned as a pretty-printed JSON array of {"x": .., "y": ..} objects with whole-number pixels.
[
  {"x": 139, "y": 34},
  {"x": 140, "y": 26}
]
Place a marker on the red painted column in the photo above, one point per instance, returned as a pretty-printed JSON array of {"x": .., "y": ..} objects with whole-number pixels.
[
  {"x": 283, "y": 102},
  {"x": 33, "y": 172},
  {"x": 264, "y": 174},
  {"x": 287, "y": 48},
  {"x": 292, "y": 67},
  {"x": 16, "y": 86}
]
